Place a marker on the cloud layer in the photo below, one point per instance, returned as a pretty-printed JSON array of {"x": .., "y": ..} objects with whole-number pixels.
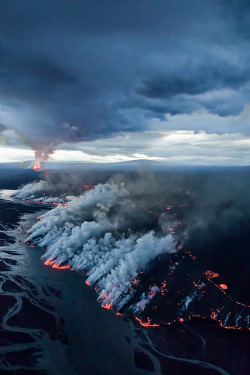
[{"x": 91, "y": 69}]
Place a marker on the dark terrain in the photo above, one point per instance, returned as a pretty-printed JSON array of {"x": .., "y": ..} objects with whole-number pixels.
[{"x": 51, "y": 322}]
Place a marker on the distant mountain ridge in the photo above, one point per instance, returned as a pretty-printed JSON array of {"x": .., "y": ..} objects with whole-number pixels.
[{"x": 133, "y": 165}]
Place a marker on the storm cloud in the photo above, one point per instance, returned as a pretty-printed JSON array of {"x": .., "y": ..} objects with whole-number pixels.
[{"x": 84, "y": 70}]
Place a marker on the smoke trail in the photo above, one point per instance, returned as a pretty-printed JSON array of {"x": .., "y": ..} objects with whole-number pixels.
[
  {"x": 38, "y": 192},
  {"x": 95, "y": 233},
  {"x": 55, "y": 187}
]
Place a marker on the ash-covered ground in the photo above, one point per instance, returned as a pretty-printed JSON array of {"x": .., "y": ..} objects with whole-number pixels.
[{"x": 166, "y": 248}]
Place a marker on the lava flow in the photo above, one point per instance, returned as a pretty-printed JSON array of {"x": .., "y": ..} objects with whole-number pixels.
[
  {"x": 55, "y": 265},
  {"x": 174, "y": 289},
  {"x": 147, "y": 323}
]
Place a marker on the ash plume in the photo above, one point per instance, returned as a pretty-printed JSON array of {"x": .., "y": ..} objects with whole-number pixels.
[{"x": 42, "y": 155}]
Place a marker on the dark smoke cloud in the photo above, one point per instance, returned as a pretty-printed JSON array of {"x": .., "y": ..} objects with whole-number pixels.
[
  {"x": 221, "y": 205},
  {"x": 82, "y": 70}
]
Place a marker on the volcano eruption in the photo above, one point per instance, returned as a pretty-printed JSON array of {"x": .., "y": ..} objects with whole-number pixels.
[
  {"x": 124, "y": 187},
  {"x": 135, "y": 249}
]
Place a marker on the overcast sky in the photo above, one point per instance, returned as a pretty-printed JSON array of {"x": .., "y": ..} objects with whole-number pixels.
[{"x": 109, "y": 80}]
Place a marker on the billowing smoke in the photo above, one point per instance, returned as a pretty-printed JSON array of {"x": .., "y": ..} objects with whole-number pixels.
[
  {"x": 124, "y": 234},
  {"x": 145, "y": 299},
  {"x": 55, "y": 187},
  {"x": 36, "y": 192},
  {"x": 102, "y": 233},
  {"x": 41, "y": 192}
]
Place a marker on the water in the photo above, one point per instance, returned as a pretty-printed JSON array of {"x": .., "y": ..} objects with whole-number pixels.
[{"x": 50, "y": 321}]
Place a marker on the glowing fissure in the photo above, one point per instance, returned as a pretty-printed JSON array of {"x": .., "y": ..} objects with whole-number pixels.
[
  {"x": 223, "y": 286},
  {"x": 147, "y": 323},
  {"x": 211, "y": 274}
]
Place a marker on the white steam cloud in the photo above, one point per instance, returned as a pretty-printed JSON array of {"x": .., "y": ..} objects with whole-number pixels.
[
  {"x": 145, "y": 299},
  {"x": 89, "y": 235},
  {"x": 40, "y": 191}
]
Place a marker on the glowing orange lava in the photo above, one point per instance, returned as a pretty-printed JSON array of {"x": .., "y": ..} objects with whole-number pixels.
[
  {"x": 211, "y": 274},
  {"x": 190, "y": 254},
  {"x": 213, "y": 315},
  {"x": 164, "y": 288},
  {"x": 36, "y": 167},
  {"x": 107, "y": 306},
  {"x": 200, "y": 285},
  {"x": 59, "y": 267},
  {"x": 48, "y": 263},
  {"x": 41, "y": 202},
  {"x": 223, "y": 286},
  {"x": 55, "y": 265},
  {"x": 147, "y": 323},
  {"x": 152, "y": 292}
]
